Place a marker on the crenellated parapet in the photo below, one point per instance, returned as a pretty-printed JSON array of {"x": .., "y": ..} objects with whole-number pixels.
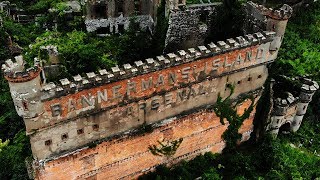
[
  {"x": 308, "y": 89},
  {"x": 23, "y": 76},
  {"x": 127, "y": 71},
  {"x": 268, "y": 19},
  {"x": 14, "y": 71},
  {"x": 288, "y": 112},
  {"x": 25, "y": 86},
  {"x": 282, "y": 13},
  {"x": 281, "y": 105}
]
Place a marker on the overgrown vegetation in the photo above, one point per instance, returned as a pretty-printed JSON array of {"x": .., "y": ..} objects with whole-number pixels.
[
  {"x": 82, "y": 52},
  {"x": 300, "y": 51},
  {"x": 17, "y": 146},
  {"x": 4, "y": 49},
  {"x": 13, "y": 157},
  {"x": 227, "y": 109},
  {"x": 165, "y": 148}
]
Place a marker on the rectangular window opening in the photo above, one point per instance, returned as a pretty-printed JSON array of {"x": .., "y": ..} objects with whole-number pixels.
[
  {"x": 100, "y": 11},
  {"x": 95, "y": 127},
  {"x": 48, "y": 142},
  {"x": 80, "y": 131},
  {"x": 64, "y": 136}
]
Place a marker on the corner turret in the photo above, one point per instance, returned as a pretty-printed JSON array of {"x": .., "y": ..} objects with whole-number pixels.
[
  {"x": 25, "y": 86},
  {"x": 308, "y": 89},
  {"x": 276, "y": 20}
]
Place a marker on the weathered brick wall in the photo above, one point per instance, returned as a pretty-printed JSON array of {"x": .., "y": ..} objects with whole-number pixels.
[{"x": 128, "y": 156}]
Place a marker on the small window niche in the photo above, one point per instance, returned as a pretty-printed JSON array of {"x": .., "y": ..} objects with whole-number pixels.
[
  {"x": 95, "y": 127},
  {"x": 64, "y": 136},
  {"x": 80, "y": 131},
  {"x": 48, "y": 142}
]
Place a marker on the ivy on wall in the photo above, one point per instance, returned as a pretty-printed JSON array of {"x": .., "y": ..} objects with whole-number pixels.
[
  {"x": 227, "y": 109},
  {"x": 167, "y": 149}
]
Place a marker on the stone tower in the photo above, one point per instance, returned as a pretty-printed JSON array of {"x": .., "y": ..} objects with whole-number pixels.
[
  {"x": 307, "y": 91},
  {"x": 277, "y": 21},
  {"x": 272, "y": 20},
  {"x": 25, "y": 86}
]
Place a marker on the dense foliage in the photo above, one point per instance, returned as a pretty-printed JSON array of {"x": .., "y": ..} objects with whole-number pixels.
[
  {"x": 4, "y": 49},
  {"x": 82, "y": 52},
  {"x": 12, "y": 157},
  {"x": 300, "y": 52},
  {"x": 223, "y": 24}
]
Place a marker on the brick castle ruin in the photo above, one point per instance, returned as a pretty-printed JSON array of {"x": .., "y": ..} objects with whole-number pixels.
[{"x": 101, "y": 125}]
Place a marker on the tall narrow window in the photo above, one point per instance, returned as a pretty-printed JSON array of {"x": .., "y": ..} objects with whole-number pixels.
[
  {"x": 304, "y": 107},
  {"x": 120, "y": 28},
  {"x": 25, "y": 105},
  {"x": 100, "y": 11},
  {"x": 137, "y": 8},
  {"x": 120, "y": 9}
]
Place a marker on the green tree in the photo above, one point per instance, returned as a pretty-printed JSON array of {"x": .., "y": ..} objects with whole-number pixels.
[
  {"x": 4, "y": 50},
  {"x": 3, "y": 144},
  {"x": 12, "y": 158}
]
